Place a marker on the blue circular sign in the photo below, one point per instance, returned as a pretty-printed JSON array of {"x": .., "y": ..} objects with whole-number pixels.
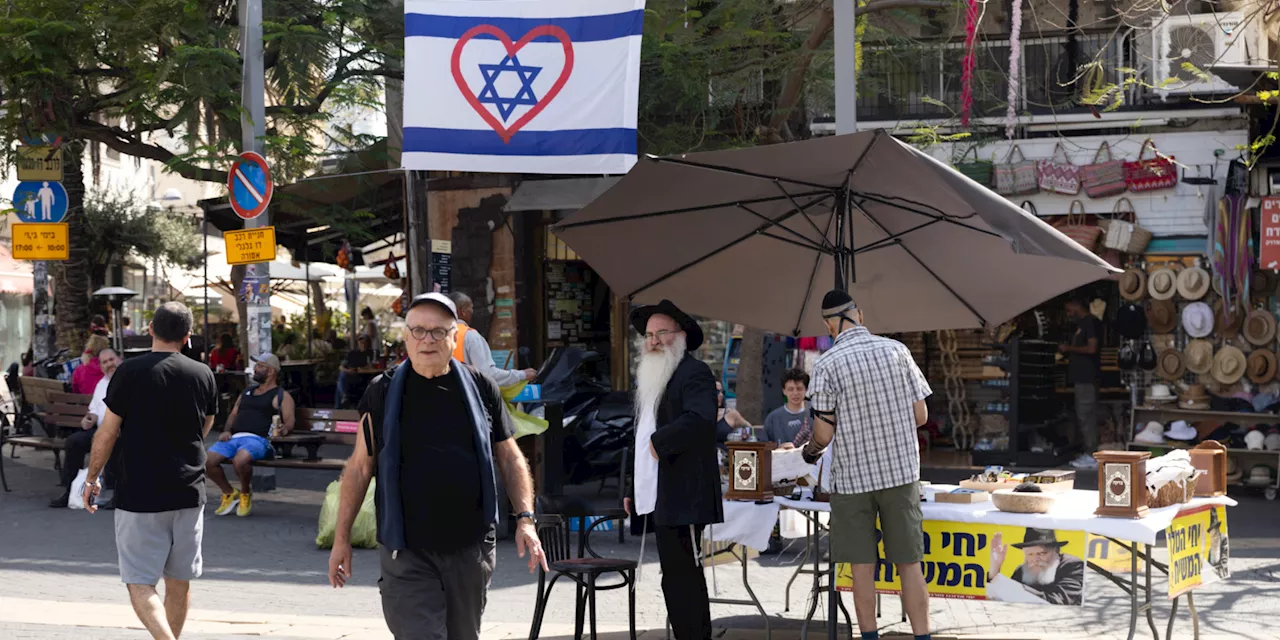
[{"x": 40, "y": 201}]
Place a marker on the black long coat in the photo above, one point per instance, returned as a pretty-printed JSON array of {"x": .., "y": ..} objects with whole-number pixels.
[{"x": 685, "y": 439}]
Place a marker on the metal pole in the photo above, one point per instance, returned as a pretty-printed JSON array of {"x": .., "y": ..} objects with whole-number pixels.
[
  {"x": 253, "y": 129},
  {"x": 204, "y": 231},
  {"x": 846, "y": 81},
  {"x": 307, "y": 290}
]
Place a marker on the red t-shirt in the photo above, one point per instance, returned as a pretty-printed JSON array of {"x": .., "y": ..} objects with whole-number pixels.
[{"x": 225, "y": 357}]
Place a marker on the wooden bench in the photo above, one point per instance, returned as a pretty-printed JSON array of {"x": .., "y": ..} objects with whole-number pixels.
[
  {"x": 313, "y": 428},
  {"x": 60, "y": 412}
]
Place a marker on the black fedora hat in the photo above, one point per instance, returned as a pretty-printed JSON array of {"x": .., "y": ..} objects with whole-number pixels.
[
  {"x": 1040, "y": 538},
  {"x": 693, "y": 332}
]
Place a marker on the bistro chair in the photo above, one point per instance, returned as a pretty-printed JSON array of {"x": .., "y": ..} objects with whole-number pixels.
[{"x": 583, "y": 570}]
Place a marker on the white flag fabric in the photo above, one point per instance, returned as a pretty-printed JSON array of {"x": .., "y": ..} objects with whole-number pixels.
[{"x": 522, "y": 86}]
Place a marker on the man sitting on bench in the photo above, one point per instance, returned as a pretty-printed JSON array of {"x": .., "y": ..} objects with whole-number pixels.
[
  {"x": 246, "y": 437},
  {"x": 80, "y": 442}
]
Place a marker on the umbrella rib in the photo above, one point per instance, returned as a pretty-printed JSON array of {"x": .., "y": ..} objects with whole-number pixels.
[
  {"x": 744, "y": 173},
  {"x": 811, "y": 245},
  {"x": 813, "y": 275},
  {"x": 893, "y": 239},
  {"x": 802, "y": 245},
  {"x": 671, "y": 212},
  {"x": 957, "y": 296},
  {"x": 695, "y": 262},
  {"x": 940, "y": 217},
  {"x": 807, "y": 218}
]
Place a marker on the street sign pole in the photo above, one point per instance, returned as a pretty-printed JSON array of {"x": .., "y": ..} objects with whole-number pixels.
[{"x": 253, "y": 125}]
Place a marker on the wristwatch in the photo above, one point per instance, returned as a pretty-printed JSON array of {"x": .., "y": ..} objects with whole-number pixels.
[{"x": 533, "y": 519}]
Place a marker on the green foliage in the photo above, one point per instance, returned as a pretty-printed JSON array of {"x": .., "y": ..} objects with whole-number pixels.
[
  {"x": 160, "y": 78},
  {"x": 119, "y": 225}
]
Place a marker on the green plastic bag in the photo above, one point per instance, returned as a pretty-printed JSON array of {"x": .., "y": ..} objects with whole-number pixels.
[
  {"x": 364, "y": 533},
  {"x": 525, "y": 424}
]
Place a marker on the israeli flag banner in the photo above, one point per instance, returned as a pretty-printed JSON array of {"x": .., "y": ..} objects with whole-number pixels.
[{"x": 521, "y": 86}]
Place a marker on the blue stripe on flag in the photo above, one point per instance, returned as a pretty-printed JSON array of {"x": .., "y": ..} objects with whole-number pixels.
[
  {"x": 576, "y": 142},
  {"x": 581, "y": 29}
]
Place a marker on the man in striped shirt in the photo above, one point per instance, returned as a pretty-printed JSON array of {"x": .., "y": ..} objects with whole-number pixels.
[{"x": 868, "y": 396}]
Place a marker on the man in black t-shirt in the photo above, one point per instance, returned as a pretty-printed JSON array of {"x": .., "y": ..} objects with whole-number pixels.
[
  {"x": 435, "y": 428},
  {"x": 1082, "y": 373},
  {"x": 160, "y": 406}
]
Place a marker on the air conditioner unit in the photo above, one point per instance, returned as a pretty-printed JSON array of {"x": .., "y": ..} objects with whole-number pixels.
[{"x": 1201, "y": 41}]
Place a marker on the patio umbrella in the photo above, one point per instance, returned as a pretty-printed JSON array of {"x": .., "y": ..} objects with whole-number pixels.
[{"x": 756, "y": 236}]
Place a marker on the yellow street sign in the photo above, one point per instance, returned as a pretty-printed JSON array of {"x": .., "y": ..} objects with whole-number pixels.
[
  {"x": 251, "y": 245},
  {"x": 41, "y": 241},
  {"x": 39, "y": 164}
]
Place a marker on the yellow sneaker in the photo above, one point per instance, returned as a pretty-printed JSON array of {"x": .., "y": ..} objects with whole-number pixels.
[
  {"x": 246, "y": 504},
  {"x": 228, "y": 502}
]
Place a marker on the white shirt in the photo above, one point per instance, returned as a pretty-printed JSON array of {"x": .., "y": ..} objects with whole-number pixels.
[{"x": 98, "y": 402}]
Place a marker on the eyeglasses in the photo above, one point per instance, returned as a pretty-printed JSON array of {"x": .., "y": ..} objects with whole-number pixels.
[
  {"x": 421, "y": 333},
  {"x": 659, "y": 335}
]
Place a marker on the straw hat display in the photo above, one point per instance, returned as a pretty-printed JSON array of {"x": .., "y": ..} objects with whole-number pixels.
[
  {"x": 1195, "y": 397},
  {"x": 1197, "y": 319},
  {"x": 1162, "y": 284},
  {"x": 1169, "y": 364},
  {"x": 1160, "y": 393},
  {"x": 1261, "y": 366},
  {"x": 1260, "y": 327},
  {"x": 1228, "y": 365},
  {"x": 1198, "y": 356},
  {"x": 1193, "y": 283},
  {"x": 1234, "y": 472},
  {"x": 1228, "y": 324},
  {"x": 1133, "y": 284},
  {"x": 1162, "y": 317}
]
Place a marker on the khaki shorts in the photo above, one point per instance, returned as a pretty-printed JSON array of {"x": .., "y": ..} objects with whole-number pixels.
[{"x": 853, "y": 526}]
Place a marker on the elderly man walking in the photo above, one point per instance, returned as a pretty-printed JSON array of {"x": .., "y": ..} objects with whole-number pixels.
[
  {"x": 868, "y": 394},
  {"x": 159, "y": 408},
  {"x": 677, "y": 471},
  {"x": 431, "y": 431}
]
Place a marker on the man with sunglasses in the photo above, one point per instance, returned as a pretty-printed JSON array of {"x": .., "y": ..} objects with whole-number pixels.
[{"x": 432, "y": 430}]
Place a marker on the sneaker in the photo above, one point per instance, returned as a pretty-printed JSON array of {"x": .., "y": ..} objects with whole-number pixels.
[
  {"x": 246, "y": 504},
  {"x": 1085, "y": 461},
  {"x": 228, "y": 502}
]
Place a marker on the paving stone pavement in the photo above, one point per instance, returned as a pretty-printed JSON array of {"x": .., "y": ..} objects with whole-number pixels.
[{"x": 58, "y": 580}]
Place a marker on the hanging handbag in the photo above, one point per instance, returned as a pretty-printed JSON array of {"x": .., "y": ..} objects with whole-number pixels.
[
  {"x": 1077, "y": 227},
  {"x": 1121, "y": 232},
  {"x": 980, "y": 171},
  {"x": 1149, "y": 175},
  {"x": 1103, "y": 178},
  {"x": 1058, "y": 177},
  {"x": 1016, "y": 176}
]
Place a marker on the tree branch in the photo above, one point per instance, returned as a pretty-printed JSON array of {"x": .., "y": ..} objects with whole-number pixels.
[{"x": 119, "y": 140}]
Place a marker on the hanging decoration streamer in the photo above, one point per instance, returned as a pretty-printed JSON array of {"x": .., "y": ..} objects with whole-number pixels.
[
  {"x": 970, "y": 59},
  {"x": 1015, "y": 69}
]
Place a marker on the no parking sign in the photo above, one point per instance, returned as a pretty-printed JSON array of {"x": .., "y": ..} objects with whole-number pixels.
[{"x": 250, "y": 186}]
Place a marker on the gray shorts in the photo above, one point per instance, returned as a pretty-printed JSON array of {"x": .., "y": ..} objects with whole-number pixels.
[{"x": 151, "y": 545}]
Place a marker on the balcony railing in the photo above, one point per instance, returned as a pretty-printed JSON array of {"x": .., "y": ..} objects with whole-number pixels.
[{"x": 922, "y": 80}]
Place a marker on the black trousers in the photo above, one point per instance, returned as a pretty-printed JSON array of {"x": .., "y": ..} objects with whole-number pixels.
[
  {"x": 73, "y": 458},
  {"x": 684, "y": 586},
  {"x": 436, "y": 596}
]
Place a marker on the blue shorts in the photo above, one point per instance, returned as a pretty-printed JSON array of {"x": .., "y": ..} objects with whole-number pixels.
[{"x": 259, "y": 448}]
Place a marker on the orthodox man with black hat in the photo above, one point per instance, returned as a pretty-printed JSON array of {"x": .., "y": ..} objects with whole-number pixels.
[
  {"x": 677, "y": 472},
  {"x": 1047, "y": 575},
  {"x": 433, "y": 430},
  {"x": 868, "y": 397}
]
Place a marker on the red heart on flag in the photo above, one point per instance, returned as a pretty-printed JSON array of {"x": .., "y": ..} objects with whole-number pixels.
[{"x": 512, "y": 48}]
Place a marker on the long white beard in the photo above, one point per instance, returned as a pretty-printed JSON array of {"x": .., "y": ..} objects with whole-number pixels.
[
  {"x": 1043, "y": 577},
  {"x": 654, "y": 372},
  {"x": 652, "y": 375}
]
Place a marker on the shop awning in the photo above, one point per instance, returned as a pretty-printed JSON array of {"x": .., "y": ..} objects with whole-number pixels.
[
  {"x": 15, "y": 275},
  {"x": 568, "y": 194}
]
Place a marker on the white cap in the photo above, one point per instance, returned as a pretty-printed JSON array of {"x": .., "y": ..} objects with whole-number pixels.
[
  {"x": 1254, "y": 439},
  {"x": 1272, "y": 442}
]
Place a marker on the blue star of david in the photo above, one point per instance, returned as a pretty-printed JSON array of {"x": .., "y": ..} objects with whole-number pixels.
[{"x": 523, "y": 97}]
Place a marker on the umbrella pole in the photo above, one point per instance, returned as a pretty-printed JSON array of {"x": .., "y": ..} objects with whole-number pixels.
[{"x": 843, "y": 256}]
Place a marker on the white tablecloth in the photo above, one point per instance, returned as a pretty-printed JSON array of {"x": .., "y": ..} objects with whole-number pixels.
[
  {"x": 746, "y": 523},
  {"x": 1073, "y": 511}
]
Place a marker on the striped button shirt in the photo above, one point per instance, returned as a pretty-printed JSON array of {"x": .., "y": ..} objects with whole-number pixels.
[{"x": 870, "y": 383}]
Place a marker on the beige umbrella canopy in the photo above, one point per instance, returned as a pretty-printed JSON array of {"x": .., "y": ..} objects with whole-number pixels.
[{"x": 756, "y": 236}]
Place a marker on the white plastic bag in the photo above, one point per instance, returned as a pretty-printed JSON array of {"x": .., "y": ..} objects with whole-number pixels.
[{"x": 76, "y": 500}]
